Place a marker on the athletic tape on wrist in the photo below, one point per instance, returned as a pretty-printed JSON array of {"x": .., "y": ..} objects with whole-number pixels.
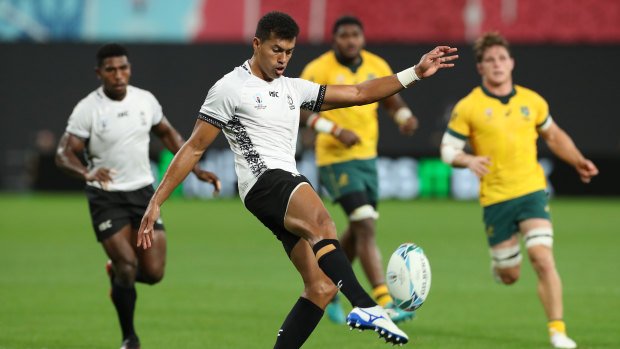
[
  {"x": 323, "y": 125},
  {"x": 407, "y": 77},
  {"x": 402, "y": 115}
]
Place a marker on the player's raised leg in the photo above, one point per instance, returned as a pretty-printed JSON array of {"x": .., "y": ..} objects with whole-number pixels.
[
  {"x": 307, "y": 217},
  {"x": 506, "y": 260},
  {"x": 308, "y": 311},
  {"x": 121, "y": 252},
  {"x": 538, "y": 236}
]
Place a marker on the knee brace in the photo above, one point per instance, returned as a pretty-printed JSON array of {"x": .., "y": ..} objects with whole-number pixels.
[
  {"x": 539, "y": 236},
  {"x": 363, "y": 212},
  {"x": 506, "y": 257}
]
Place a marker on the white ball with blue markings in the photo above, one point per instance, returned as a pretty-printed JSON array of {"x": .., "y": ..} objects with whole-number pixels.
[{"x": 409, "y": 276}]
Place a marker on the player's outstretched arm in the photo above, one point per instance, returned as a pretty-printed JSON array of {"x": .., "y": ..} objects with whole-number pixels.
[
  {"x": 173, "y": 141},
  {"x": 370, "y": 91},
  {"x": 67, "y": 161},
  {"x": 182, "y": 163},
  {"x": 563, "y": 147}
]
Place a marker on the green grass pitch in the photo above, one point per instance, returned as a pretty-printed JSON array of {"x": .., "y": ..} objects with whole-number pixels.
[{"x": 228, "y": 282}]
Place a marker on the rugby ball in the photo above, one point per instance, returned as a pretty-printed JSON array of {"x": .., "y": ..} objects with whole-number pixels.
[{"x": 408, "y": 276}]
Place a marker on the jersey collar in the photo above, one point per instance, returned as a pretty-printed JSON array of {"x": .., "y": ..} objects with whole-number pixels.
[
  {"x": 352, "y": 67},
  {"x": 102, "y": 95},
  {"x": 504, "y": 99}
]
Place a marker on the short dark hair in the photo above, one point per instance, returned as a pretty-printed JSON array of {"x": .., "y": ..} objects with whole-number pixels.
[
  {"x": 487, "y": 40},
  {"x": 110, "y": 50},
  {"x": 346, "y": 19},
  {"x": 279, "y": 23}
]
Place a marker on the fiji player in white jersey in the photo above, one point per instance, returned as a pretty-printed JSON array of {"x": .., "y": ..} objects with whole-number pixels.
[
  {"x": 258, "y": 110},
  {"x": 112, "y": 125}
]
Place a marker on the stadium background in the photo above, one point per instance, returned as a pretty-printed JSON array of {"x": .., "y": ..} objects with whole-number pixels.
[{"x": 565, "y": 50}]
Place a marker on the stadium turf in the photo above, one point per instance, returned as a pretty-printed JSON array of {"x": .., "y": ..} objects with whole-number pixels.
[{"x": 228, "y": 283}]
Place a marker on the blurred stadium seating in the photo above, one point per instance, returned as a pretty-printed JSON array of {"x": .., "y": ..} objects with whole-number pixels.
[{"x": 47, "y": 50}]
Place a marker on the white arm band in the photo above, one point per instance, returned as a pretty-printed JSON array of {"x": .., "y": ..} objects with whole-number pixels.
[
  {"x": 546, "y": 124},
  {"x": 322, "y": 125},
  {"x": 450, "y": 147},
  {"x": 407, "y": 77},
  {"x": 402, "y": 115}
]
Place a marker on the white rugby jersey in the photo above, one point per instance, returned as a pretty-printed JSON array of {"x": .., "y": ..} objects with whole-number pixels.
[
  {"x": 260, "y": 120},
  {"x": 117, "y": 135}
]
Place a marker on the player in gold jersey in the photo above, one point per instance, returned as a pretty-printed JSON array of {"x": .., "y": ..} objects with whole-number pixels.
[
  {"x": 346, "y": 151},
  {"x": 502, "y": 121}
]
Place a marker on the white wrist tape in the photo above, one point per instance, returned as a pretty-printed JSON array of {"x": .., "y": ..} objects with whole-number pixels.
[
  {"x": 407, "y": 77},
  {"x": 450, "y": 147},
  {"x": 323, "y": 125},
  {"x": 402, "y": 115}
]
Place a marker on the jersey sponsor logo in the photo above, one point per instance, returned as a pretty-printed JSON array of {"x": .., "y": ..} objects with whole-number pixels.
[
  {"x": 259, "y": 102},
  {"x": 104, "y": 125},
  {"x": 123, "y": 114},
  {"x": 105, "y": 225},
  {"x": 525, "y": 110},
  {"x": 291, "y": 104},
  {"x": 526, "y": 113},
  {"x": 274, "y": 94},
  {"x": 489, "y": 113}
]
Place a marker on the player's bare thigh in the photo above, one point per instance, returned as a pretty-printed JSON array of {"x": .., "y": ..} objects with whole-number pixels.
[
  {"x": 152, "y": 261},
  {"x": 533, "y": 223},
  {"x": 125, "y": 256},
  {"x": 307, "y": 217}
]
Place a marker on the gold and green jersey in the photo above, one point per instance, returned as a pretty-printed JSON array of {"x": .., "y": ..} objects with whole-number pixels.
[
  {"x": 504, "y": 129},
  {"x": 326, "y": 70}
]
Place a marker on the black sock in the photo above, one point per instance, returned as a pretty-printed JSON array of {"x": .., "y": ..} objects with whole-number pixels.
[
  {"x": 337, "y": 267},
  {"x": 298, "y": 325},
  {"x": 124, "y": 298}
]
